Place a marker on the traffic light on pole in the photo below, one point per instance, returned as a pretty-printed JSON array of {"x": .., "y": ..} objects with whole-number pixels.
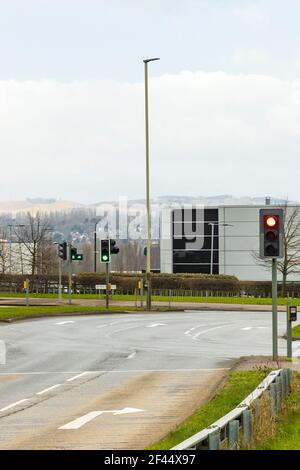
[
  {"x": 62, "y": 250},
  {"x": 113, "y": 248},
  {"x": 271, "y": 233},
  {"x": 105, "y": 251},
  {"x": 74, "y": 255}
]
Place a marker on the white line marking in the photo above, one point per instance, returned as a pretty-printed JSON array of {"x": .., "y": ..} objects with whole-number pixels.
[
  {"x": 78, "y": 375},
  {"x": 101, "y": 326},
  {"x": 247, "y": 328},
  {"x": 48, "y": 389},
  {"x": 131, "y": 355},
  {"x": 106, "y": 371},
  {"x": 207, "y": 331},
  {"x": 14, "y": 404},
  {"x": 79, "y": 422},
  {"x": 192, "y": 329},
  {"x": 64, "y": 322},
  {"x": 155, "y": 325}
]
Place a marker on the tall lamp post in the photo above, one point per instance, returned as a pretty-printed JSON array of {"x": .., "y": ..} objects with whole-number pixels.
[
  {"x": 148, "y": 257},
  {"x": 212, "y": 242}
]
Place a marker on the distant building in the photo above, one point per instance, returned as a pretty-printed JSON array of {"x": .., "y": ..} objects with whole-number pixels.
[{"x": 187, "y": 243}]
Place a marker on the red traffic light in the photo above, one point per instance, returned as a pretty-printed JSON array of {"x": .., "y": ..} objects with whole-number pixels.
[{"x": 271, "y": 221}]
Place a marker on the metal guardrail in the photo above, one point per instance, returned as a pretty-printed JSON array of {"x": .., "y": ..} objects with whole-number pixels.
[{"x": 277, "y": 384}]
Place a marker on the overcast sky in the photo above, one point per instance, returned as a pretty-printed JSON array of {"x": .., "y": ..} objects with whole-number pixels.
[{"x": 224, "y": 98}]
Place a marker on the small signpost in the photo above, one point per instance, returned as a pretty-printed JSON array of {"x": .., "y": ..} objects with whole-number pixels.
[
  {"x": 291, "y": 316},
  {"x": 26, "y": 288},
  {"x": 102, "y": 287}
]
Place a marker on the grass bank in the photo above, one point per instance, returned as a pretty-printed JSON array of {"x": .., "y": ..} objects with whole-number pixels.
[
  {"x": 7, "y": 313},
  {"x": 287, "y": 426},
  {"x": 296, "y": 331},
  {"x": 237, "y": 386}
]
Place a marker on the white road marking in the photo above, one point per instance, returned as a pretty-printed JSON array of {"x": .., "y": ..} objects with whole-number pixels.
[
  {"x": 101, "y": 326},
  {"x": 154, "y": 325},
  {"x": 78, "y": 375},
  {"x": 193, "y": 329},
  {"x": 131, "y": 355},
  {"x": 207, "y": 331},
  {"x": 126, "y": 371},
  {"x": 79, "y": 422},
  {"x": 48, "y": 389},
  {"x": 247, "y": 328},
  {"x": 64, "y": 322},
  {"x": 14, "y": 404}
]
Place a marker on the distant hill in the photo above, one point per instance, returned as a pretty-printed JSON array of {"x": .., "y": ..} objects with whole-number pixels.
[{"x": 37, "y": 204}]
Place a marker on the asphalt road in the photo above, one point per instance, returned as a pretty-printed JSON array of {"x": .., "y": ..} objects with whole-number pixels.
[{"x": 118, "y": 381}]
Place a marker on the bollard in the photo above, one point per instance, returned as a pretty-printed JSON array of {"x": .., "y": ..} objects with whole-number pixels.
[
  {"x": 247, "y": 427},
  {"x": 233, "y": 434},
  {"x": 214, "y": 441}
]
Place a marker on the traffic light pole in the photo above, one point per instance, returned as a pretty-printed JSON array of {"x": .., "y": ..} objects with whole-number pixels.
[
  {"x": 70, "y": 272},
  {"x": 107, "y": 283},
  {"x": 59, "y": 279},
  {"x": 274, "y": 309},
  {"x": 288, "y": 332}
]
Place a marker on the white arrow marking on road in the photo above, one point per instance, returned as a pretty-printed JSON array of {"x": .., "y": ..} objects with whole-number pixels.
[
  {"x": 207, "y": 331},
  {"x": 192, "y": 329},
  {"x": 156, "y": 324},
  {"x": 79, "y": 422},
  {"x": 64, "y": 322}
]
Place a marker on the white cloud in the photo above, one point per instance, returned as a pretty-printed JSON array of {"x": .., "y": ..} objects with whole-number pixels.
[{"x": 210, "y": 133}]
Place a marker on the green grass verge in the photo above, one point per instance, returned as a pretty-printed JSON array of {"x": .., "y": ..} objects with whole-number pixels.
[
  {"x": 160, "y": 298},
  {"x": 237, "y": 386},
  {"x": 7, "y": 313},
  {"x": 296, "y": 331},
  {"x": 287, "y": 436}
]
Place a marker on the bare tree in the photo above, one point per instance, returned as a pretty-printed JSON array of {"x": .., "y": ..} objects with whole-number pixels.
[
  {"x": 34, "y": 235},
  {"x": 290, "y": 263},
  {"x": 4, "y": 251}
]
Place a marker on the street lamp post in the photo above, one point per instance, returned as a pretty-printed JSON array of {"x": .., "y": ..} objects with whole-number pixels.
[{"x": 148, "y": 256}]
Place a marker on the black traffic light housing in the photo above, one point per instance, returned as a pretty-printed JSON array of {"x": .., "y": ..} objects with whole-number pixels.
[
  {"x": 105, "y": 251},
  {"x": 74, "y": 255},
  {"x": 113, "y": 248},
  {"x": 271, "y": 231},
  {"x": 292, "y": 313},
  {"x": 62, "y": 250}
]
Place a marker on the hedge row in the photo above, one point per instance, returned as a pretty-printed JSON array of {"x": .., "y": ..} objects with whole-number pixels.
[{"x": 127, "y": 283}]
